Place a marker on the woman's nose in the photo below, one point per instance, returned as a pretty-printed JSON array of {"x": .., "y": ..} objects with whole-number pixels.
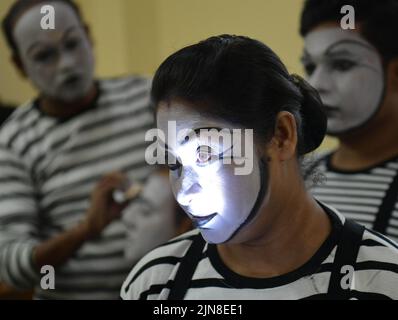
[{"x": 189, "y": 187}]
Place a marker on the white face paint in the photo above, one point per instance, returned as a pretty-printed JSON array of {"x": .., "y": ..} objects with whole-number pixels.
[
  {"x": 347, "y": 71},
  {"x": 217, "y": 200},
  {"x": 59, "y": 62},
  {"x": 151, "y": 218}
]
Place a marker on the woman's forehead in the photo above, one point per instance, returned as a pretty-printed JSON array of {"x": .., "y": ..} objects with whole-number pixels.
[{"x": 186, "y": 116}]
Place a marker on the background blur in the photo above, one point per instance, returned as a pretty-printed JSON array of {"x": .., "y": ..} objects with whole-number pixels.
[{"x": 135, "y": 36}]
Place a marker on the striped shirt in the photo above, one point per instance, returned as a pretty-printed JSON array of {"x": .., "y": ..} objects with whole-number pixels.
[
  {"x": 358, "y": 195},
  {"x": 375, "y": 275},
  {"x": 48, "y": 169}
]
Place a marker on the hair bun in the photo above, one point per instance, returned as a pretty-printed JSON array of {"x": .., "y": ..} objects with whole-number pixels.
[{"x": 312, "y": 112}]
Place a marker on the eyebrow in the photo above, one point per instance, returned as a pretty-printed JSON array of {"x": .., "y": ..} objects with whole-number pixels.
[
  {"x": 38, "y": 43},
  {"x": 331, "y": 51},
  {"x": 346, "y": 41},
  {"x": 196, "y": 131}
]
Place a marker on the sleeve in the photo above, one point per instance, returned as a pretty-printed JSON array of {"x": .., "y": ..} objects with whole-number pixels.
[{"x": 18, "y": 222}]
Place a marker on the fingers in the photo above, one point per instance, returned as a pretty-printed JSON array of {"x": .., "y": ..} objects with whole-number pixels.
[{"x": 110, "y": 182}]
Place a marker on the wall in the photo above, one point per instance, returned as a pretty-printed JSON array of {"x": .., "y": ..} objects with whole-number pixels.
[{"x": 135, "y": 36}]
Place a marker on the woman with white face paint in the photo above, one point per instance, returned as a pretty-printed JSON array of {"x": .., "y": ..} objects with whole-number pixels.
[
  {"x": 259, "y": 234},
  {"x": 56, "y": 153},
  {"x": 356, "y": 75}
]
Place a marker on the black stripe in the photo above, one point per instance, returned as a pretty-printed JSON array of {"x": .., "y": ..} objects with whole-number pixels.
[
  {"x": 8, "y": 163},
  {"x": 383, "y": 237},
  {"x": 17, "y": 196},
  {"x": 371, "y": 243},
  {"x": 163, "y": 260},
  {"x": 13, "y": 178},
  {"x": 155, "y": 289},
  {"x": 18, "y": 218},
  {"x": 123, "y": 271},
  {"x": 376, "y": 265}
]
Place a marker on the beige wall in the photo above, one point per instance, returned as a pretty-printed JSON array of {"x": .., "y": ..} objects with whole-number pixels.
[{"x": 134, "y": 36}]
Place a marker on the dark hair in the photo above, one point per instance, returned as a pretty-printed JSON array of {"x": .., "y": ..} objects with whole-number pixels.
[
  {"x": 15, "y": 12},
  {"x": 378, "y": 20},
  {"x": 243, "y": 81}
]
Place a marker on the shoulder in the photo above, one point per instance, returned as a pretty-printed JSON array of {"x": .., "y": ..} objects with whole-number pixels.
[
  {"x": 376, "y": 267},
  {"x": 157, "y": 267}
]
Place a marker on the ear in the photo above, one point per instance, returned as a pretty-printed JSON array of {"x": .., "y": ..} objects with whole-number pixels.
[
  {"x": 88, "y": 32},
  {"x": 16, "y": 61},
  {"x": 284, "y": 142}
]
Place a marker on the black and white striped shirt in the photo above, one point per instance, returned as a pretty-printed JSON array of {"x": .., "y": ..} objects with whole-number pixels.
[
  {"x": 358, "y": 195},
  {"x": 48, "y": 169},
  {"x": 375, "y": 275}
]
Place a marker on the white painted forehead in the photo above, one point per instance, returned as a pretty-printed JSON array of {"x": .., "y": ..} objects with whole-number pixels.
[
  {"x": 189, "y": 118},
  {"x": 28, "y": 25},
  {"x": 319, "y": 41}
]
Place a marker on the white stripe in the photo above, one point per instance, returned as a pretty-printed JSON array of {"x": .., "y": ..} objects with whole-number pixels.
[
  {"x": 361, "y": 177},
  {"x": 331, "y": 199},
  {"x": 335, "y": 191},
  {"x": 358, "y": 185}
]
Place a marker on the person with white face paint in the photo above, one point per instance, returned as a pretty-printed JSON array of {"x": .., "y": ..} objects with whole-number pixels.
[
  {"x": 260, "y": 234},
  {"x": 356, "y": 75},
  {"x": 56, "y": 153}
]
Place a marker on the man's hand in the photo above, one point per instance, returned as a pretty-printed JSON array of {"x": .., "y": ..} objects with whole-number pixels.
[{"x": 103, "y": 209}]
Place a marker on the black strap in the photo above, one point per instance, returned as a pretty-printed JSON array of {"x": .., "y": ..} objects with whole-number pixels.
[
  {"x": 346, "y": 254},
  {"x": 186, "y": 269},
  {"x": 387, "y": 207}
]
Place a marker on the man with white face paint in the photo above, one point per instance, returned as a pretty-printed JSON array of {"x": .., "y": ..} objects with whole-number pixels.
[
  {"x": 356, "y": 75},
  {"x": 60, "y": 148}
]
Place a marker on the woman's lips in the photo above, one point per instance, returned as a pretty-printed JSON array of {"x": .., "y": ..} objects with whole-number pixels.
[{"x": 199, "y": 222}]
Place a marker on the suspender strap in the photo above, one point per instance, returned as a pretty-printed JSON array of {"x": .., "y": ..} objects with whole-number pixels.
[
  {"x": 387, "y": 207},
  {"x": 346, "y": 255},
  {"x": 186, "y": 269}
]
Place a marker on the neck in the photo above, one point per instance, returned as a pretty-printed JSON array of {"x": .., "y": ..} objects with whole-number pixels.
[
  {"x": 299, "y": 228},
  {"x": 369, "y": 146},
  {"x": 61, "y": 109}
]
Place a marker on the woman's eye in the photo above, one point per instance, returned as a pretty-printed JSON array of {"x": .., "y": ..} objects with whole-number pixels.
[
  {"x": 204, "y": 155},
  {"x": 342, "y": 65}
]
